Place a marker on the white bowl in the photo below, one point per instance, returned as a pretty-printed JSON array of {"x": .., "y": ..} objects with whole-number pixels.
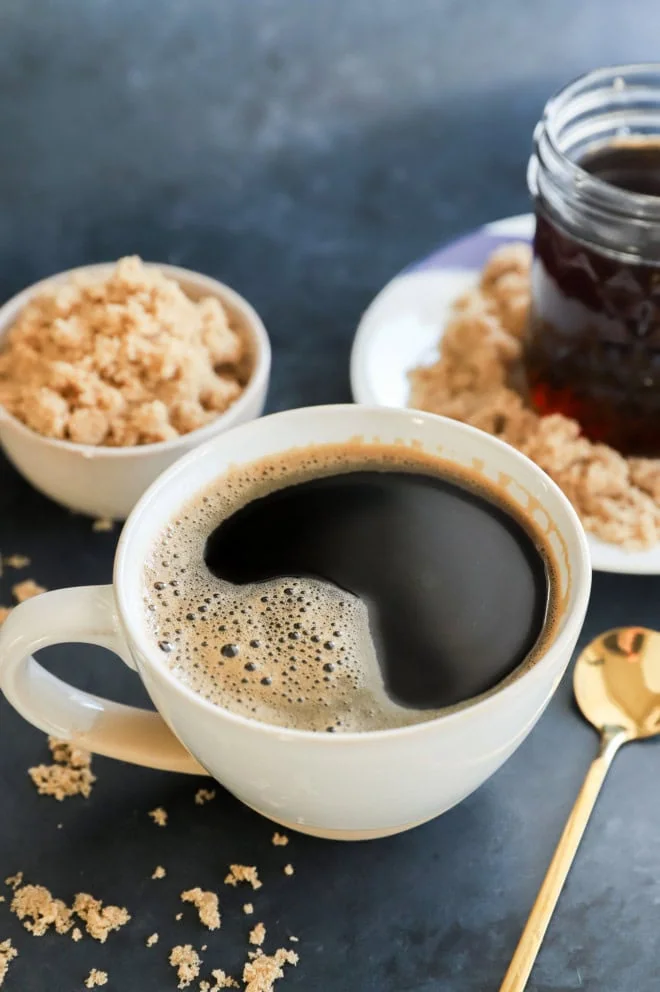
[{"x": 104, "y": 481}]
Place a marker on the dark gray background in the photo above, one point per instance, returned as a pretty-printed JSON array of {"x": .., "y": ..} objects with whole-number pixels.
[{"x": 304, "y": 152}]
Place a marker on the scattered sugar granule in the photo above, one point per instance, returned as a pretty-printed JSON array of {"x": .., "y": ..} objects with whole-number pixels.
[
  {"x": 248, "y": 908},
  {"x": 187, "y": 962},
  {"x": 159, "y": 872},
  {"x": 2, "y": 899},
  {"x": 243, "y": 873},
  {"x": 122, "y": 358},
  {"x": 4, "y": 613},
  {"x": 13, "y": 881},
  {"x": 103, "y": 524},
  {"x": 279, "y": 840},
  {"x": 205, "y": 947},
  {"x": 7, "y": 954},
  {"x": 206, "y": 904},
  {"x": 204, "y": 986},
  {"x": 38, "y": 910},
  {"x": 152, "y": 939},
  {"x": 261, "y": 973},
  {"x": 70, "y": 775},
  {"x": 95, "y": 978},
  {"x": 294, "y": 939},
  {"x": 26, "y": 590},
  {"x": 257, "y": 934},
  {"x": 179, "y": 916},
  {"x": 203, "y": 796},
  {"x": 288, "y": 869},
  {"x": 159, "y": 816},
  {"x": 76, "y": 934},
  {"x": 17, "y": 561},
  {"x": 222, "y": 980},
  {"x": 99, "y": 920}
]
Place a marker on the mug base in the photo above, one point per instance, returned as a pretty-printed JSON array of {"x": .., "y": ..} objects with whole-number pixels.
[{"x": 327, "y": 833}]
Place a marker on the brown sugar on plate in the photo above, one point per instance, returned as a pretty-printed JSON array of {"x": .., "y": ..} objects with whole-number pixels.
[
  {"x": 7, "y": 954},
  {"x": 243, "y": 873},
  {"x": 159, "y": 816},
  {"x": 479, "y": 379},
  {"x": 69, "y": 775},
  {"x": 279, "y": 840},
  {"x": 187, "y": 962},
  {"x": 96, "y": 978},
  {"x": 124, "y": 358},
  {"x": 206, "y": 904}
]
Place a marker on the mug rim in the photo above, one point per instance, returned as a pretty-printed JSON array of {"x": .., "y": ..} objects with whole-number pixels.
[{"x": 579, "y": 559}]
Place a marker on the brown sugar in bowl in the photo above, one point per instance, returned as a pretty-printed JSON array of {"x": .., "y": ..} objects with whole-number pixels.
[{"x": 105, "y": 481}]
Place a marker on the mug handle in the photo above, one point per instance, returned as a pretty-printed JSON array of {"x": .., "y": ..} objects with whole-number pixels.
[{"x": 88, "y": 614}]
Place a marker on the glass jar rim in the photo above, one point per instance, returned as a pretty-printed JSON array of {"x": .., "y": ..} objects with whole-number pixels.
[{"x": 600, "y": 106}]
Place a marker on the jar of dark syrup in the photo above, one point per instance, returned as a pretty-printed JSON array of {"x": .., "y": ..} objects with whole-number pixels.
[{"x": 592, "y": 350}]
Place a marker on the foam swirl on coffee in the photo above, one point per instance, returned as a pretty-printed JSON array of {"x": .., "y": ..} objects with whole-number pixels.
[{"x": 301, "y": 652}]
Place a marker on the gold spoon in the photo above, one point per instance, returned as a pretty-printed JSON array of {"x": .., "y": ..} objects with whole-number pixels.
[{"x": 617, "y": 687}]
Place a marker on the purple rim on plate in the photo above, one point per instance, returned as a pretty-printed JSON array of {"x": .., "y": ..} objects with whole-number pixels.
[{"x": 469, "y": 252}]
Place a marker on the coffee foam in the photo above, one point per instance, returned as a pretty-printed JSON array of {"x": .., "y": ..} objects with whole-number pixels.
[{"x": 294, "y": 652}]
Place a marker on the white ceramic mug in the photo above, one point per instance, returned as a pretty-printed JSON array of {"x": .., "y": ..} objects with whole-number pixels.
[{"x": 353, "y": 785}]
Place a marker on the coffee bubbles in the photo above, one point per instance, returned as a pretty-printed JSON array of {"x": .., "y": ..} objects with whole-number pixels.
[{"x": 292, "y": 652}]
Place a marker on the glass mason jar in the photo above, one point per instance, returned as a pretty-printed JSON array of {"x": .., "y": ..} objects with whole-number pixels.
[{"x": 592, "y": 350}]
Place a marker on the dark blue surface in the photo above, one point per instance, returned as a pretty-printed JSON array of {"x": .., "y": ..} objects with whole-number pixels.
[{"x": 304, "y": 152}]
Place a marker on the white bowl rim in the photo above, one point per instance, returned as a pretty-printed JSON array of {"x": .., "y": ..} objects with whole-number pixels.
[{"x": 10, "y": 310}]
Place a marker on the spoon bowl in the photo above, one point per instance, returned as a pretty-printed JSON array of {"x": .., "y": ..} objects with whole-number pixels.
[{"x": 617, "y": 681}]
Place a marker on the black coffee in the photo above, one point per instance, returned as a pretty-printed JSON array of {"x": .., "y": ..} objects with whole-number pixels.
[
  {"x": 455, "y": 587},
  {"x": 348, "y": 588}
]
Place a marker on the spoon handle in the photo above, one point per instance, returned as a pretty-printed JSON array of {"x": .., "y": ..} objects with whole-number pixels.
[{"x": 524, "y": 957}]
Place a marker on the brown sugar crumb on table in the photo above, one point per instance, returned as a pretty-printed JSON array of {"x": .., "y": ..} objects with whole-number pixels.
[
  {"x": 26, "y": 590},
  {"x": 222, "y": 980},
  {"x": 257, "y": 934},
  {"x": 206, "y": 904},
  {"x": 76, "y": 934},
  {"x": 70, "y": 775},
  {"x": 261, "y": 973},
  {"x": 36, "y": 908},
  {"x": 158, "y": 872},
  {"x": 16, "y": 561},
  {"x": 96, "y": 978},
  {"x": 159, "y": 816},
  {"x": 479, "y": 379},
  {"x": 248, "y": 908},
  {"x": 103, "y": 524},
  {"x": 4, "y": 613},
  {"x": 279, "y": 840},
  {"x": 203, "y": 796},
  {"x": 152, "y": 939},
  {"x": 288, "y": 869},
  {"x": 187, "y": 962},
  {"x": 13, "y": 881},
  {"x": 243, "y": 873},
  {"x": 99, "y": 920},
  {"x": 7, "y": 954},
  {"x": 125, "y": 358}
]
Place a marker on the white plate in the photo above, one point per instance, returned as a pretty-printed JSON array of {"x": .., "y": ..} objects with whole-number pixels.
[{"x": 403, "y": 325}]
